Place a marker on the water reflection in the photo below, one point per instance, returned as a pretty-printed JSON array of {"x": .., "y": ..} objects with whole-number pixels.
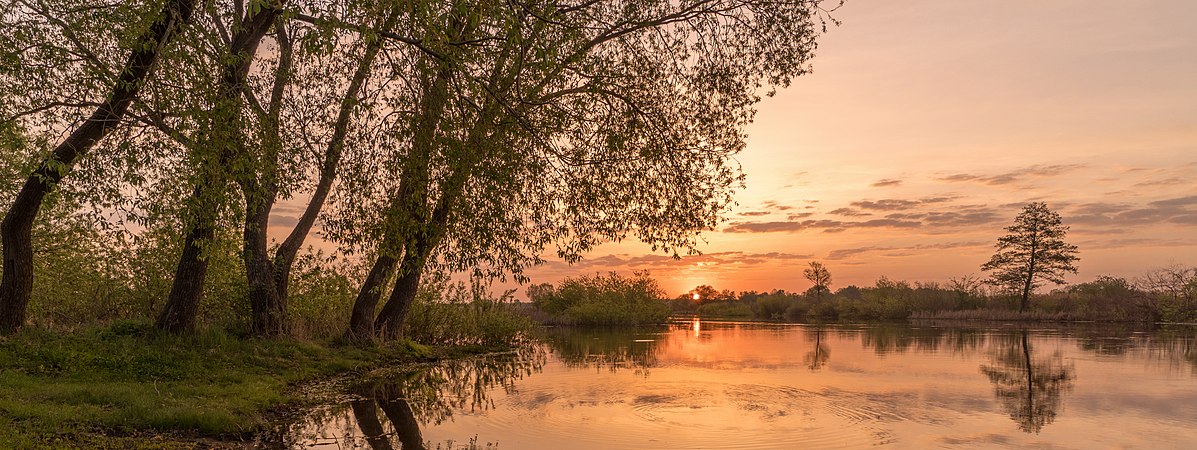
[
  {"x": 1029, "y": 388},
  {"x": 411, "y": 397},
  {"x": 402, "y": 419},
  {"x": 711, "y": 384},
  {"x": 817, "y": 358},
  {"x": 609, "y": 349}
]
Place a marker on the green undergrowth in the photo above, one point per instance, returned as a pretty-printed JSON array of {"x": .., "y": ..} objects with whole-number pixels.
[{"x": 128, "y": 385}]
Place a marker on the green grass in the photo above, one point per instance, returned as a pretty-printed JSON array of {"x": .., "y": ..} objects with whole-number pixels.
[{"x": 128, "y": 385}]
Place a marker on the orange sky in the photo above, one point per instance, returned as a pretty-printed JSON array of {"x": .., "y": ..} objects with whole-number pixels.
[{"x": 927, "y": 125}]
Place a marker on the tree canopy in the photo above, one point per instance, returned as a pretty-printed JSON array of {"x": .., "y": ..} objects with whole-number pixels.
[{"x": 470, "y": 135}]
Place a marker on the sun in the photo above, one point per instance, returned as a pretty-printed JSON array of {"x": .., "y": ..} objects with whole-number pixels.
[{"x": 696, "y": 296}]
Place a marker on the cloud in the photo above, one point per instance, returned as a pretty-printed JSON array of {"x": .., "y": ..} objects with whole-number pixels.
[
  {"x": 1178, "y": 210},
  {"x": 828, "y": 226},
  {"x": 1014, "y": 175},
  {"x": 755, "y": 213},
  {"x": 906, "y": 214},
  {"x": 283, "y": 221},
  {"x": 666, "y": 264},
  {"x": 892, "y": 204},
  {"x": 1170, "y": 181},
  {"x": 801, "y": 215},
  {"x": 1104, "y": 244},
  {"x": 1175, "y": 202},
  {"x": 845, "y": 253},
  {"x": 849, "y": 212},
  {"x": 887, "y": 182},
  {"x": 773, "y": 205}
]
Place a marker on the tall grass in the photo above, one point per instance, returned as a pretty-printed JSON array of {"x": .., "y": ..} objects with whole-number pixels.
[{"x": 446, "y": 313}]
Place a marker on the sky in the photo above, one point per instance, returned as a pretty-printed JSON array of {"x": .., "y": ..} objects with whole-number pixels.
[{"x": 927, "y": 125}]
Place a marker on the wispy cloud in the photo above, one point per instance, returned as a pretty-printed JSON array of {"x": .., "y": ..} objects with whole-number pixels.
[
  {"x": 930, "y": 213},
  {"x": 775, "y": 206},
  {"x": 887, "y": 182},
  {"x": 849, "y": 212},
  {"x": 1014, "y": 175},
  {"x": 1177, "y": 210},
  {"x": 893, "y": 204},
  {"x": 825, "y": 225},
  {"x": 667, "y": 264},
  {"x": 845, "y": 253}
]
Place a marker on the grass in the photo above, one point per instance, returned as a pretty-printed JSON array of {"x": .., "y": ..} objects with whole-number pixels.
[{"x": 129, "y": 386}]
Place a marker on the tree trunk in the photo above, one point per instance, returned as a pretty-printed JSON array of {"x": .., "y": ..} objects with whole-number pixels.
[
  {"x": 1026, "y": 288},
  {"x": 284, "y": 257},
  {"x": 178, "y": 315},
  {"x": 268, "y": 309},
  {"x": 390, "y": 320},
  {"x": 17, "y": 226},
  {"x": 361, "y": 322}
]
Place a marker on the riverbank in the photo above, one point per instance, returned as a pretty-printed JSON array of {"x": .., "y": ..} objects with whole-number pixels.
[{"x": 128, "y": 386}]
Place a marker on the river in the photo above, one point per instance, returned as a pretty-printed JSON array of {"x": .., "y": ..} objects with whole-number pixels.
[{"x": 699, "y": 384}]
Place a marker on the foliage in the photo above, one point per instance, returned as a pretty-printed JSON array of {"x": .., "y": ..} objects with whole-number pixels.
[
  {"x": 612, "y": 299},
  {"x": 724, "y": 309}
]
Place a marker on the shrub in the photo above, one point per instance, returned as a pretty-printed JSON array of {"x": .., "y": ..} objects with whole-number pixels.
[
  {"x": 724, "y": 309},
  {"x": 603, "y": 300}
]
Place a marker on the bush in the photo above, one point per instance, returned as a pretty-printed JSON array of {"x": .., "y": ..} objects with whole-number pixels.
[
  {"x": 603, "y": 300},
  {"x": 771, "y": 306},
  {"x": 724, "y": 309}
]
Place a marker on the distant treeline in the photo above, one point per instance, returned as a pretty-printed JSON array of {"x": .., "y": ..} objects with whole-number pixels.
[
  {"x": 1162, "y": 295},
  {"x": 1166, "y": 294}
]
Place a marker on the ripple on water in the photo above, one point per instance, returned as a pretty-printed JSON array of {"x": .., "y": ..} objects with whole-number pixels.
[{"x": 691, "y": 415}]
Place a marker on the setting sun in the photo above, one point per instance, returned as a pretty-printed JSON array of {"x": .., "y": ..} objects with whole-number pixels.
[{"x": 696, "y": 296}]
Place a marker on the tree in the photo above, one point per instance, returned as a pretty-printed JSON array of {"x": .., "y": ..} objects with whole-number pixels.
[
  {"x": 818, "y": 274},
  {"x": 125, "y": 84},
  {"x": 1033, "y": 252},
  {"x": 703, "y": 293},
  {"x": 540, "y": 124}
]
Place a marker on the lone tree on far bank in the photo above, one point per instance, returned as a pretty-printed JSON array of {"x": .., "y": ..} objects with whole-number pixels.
[
  {"x": 1033, "y": 252},
  {"x": 818, "y": 274}
]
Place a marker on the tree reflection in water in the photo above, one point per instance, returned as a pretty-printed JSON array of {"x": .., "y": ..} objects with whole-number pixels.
[
  {"x": 430, "y": 395},
  {"x": 818, "y": 356},
  {"x": 1029, "y": 389},
  {"x": 612, "y": 349}
]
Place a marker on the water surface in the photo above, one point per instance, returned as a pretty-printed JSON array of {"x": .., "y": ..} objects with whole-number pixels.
[{"x": 742, "y": 385}]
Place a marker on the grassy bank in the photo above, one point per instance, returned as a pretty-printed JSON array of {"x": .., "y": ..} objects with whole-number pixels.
[{"x": 128, "y": 386}]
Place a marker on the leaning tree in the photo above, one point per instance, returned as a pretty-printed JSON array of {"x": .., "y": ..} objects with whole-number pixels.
[
  {"x": 532, "y": 125},
  {"x": 59, "y": 59},
  {"x": 1033, "y": 253}
]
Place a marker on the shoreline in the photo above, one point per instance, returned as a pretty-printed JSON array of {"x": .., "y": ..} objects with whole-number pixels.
[{"x": 147, "y": 390}]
